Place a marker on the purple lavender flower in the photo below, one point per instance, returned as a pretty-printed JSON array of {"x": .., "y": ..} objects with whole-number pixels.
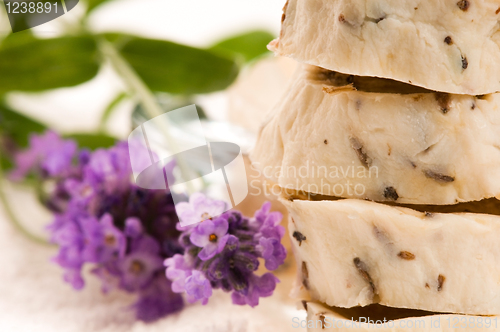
[
  {"x": 92, "y": 238},
  {"x": 133, "y": 227},
  {"x": 125, "y": 232},
  {"x": 103, "y": 219},
  {"x": 81, "y": 193},
  {"x": 272, "y": 251},
  {"x": 25, "y": 161},
  {"x": 198, "y": 209},
  {"x": 139, "y": 266},
  {"x": 74, "y": 277},
  {"x": 211, "y": 235},
  {"x": 269, "y": 223},
  {"x": 109, "y": 169},
  {"x": 65, "y": 232},
  {"x": 137, "y": 269},
  {"x": 113, "y": 241},
  {"x": 47, "y": 153},
  {"x": 178, "y": 270},
  {"x": 68, "y": 235},
  {"x": 198, "y": 288},
  {"x": 157, "y": 301},
  {"x": 98, "y": 241},
  {"x": 259, "y": 287},
  {"x": 232, "y": 267}
]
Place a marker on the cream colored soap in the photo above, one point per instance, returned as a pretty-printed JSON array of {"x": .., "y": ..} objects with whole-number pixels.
[
  {"x": 354, "y": 253},
  {"x": 444, "y": 45},
  {"x": 321, "y": 317},
  {"x": 378, "y": 139}
]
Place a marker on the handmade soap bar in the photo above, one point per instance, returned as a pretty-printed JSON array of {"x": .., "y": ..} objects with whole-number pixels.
[
  {"x": 379, "y": 139},
  {"x": 355, "y": 253},
  {"x": 444, "y": 45}
]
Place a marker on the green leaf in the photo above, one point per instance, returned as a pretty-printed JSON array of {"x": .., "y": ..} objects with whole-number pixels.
[
  {"x": 249, "y": 45},
  {"x": 41, "y": 64},
  {"x": 18, "y": 127},
  {"x": 12, "y": 39},
  {"x": 178, "y": 69},
  {"x": 92, "y": 141},
  {"x": 5, "y": 162}
]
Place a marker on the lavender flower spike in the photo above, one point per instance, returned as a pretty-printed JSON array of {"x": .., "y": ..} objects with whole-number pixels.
[
  {"x": 211, "y": 235},
  {"x": 104, "y": 220}
]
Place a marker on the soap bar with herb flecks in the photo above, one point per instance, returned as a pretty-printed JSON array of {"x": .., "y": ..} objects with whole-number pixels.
[
  {"x": 355, "y": 253},
  {"x": 444, "y": 45},
  {"x": 383, "y": 140}
]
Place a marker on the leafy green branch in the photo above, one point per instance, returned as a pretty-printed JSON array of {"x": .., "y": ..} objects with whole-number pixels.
[{"x": 35, "y": 65}]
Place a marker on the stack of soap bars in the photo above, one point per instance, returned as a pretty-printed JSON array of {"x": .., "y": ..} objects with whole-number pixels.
[{"x": 386, "y": 147}]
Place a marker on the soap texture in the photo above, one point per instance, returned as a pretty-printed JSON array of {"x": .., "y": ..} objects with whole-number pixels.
[
  {"x": 378, "y": 139},
  {"x": 355, "y": 253},
  {"x": 443, "y": 45}
]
